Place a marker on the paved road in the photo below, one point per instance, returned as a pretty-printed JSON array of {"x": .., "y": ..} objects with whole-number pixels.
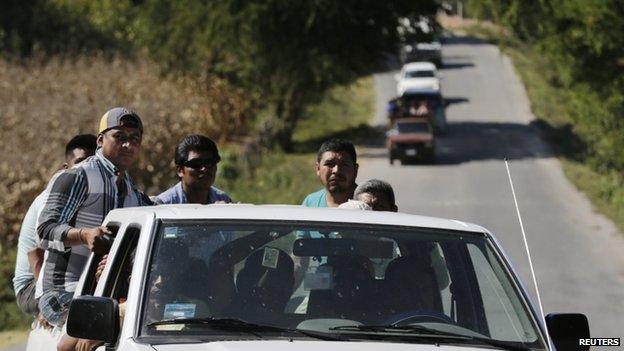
[{"x": 577, "y": 254}]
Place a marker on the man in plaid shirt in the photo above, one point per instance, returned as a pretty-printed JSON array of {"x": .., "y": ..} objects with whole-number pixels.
[{"x": 79, "y": 199}]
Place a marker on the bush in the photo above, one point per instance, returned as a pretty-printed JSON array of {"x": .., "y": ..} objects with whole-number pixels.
[
  {"x": 10, "y": 315},
  {"x": 276, "y": 178}
]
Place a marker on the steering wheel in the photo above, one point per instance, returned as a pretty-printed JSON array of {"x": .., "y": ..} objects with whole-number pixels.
[{"x": 418, "y": 316}]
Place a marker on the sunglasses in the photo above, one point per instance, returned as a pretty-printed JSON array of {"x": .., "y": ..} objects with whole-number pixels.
[{"x": 198, "y": 163}]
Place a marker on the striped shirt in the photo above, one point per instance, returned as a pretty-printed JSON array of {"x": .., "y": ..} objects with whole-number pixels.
[{"x": 80, "y": 197}]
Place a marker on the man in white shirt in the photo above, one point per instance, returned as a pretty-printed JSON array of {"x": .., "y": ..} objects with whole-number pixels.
[{"x": 29, "y": 255}]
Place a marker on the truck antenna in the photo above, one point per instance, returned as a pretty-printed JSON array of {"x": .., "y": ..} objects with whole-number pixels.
[{"x": 526, "y": 246}]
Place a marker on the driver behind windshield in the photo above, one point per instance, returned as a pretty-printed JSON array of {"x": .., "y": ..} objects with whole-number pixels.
[
  {"x": 178, "y": 282},
  {"x": 412, "y": 285},
  {"x": 265, "y": 285}
]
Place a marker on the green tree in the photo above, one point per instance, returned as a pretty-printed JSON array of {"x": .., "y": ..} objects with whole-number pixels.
[
  {"x": 284, "y": 53},
  {"x": 53, "y": 27}
]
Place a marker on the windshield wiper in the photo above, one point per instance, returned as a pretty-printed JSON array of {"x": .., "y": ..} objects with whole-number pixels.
[
  {"x": 411, "y": 329},
  {"x": 430, "y": 333},
  {"x": 241, "y": 325},
  {"x": 228, "y": 323}
]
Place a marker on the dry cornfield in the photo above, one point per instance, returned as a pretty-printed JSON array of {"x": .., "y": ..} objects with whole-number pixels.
[{"x": 43, "y": 103}]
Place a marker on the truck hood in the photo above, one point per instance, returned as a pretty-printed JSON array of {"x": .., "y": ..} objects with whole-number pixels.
[
  {"x": 283, "y": 345},
  {"x": 410, "y": 138}
]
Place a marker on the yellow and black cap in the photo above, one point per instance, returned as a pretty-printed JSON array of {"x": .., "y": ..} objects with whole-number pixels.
[{"x": 120, "y": 117}]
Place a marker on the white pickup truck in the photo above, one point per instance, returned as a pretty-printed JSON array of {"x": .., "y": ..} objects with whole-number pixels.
[{"x": 270, "y": 277}]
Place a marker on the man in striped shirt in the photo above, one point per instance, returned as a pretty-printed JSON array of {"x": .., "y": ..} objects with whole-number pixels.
[{"x": 79, "y": 199}]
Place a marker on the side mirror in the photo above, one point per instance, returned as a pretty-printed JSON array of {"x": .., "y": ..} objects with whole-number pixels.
[
  {"x": 566, "y": 329},
  {"x": 95, "y": 318}
]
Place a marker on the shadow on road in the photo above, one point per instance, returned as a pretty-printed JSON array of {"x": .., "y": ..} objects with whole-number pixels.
[
  {"x": 477, "y": 141},
  {"x": 454, "y": 100},
  {"x": 458, "y": 57},
  {"x": 455, "y": 65},
  {"x": 461, "y": 40}
]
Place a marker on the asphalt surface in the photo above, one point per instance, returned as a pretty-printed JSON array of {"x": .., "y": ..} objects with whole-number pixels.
[{"x": 577, "y": 254}]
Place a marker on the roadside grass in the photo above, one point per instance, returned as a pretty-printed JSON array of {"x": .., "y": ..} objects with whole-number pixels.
[
  {"x": 551, "y": 105},
  {"x": 278, "y": 178},
  {"x": 606, "y": 191},
  {"x": 12, "y": 337},
  {"x": 286, "y": 178},
  {"x": 344, "y": 113}
]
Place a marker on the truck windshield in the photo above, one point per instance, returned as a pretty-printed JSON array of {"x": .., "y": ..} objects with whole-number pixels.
[
  {"x": 419, "y": 74},
  {"x": 330, "y": 278},
  {"x": 413, "y": 127}
]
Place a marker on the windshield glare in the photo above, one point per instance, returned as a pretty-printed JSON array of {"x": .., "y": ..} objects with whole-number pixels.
[{"x": 319, "y": 276}]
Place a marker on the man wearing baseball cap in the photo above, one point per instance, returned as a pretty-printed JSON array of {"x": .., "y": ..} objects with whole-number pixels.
[{"x": 79, "y": 199}]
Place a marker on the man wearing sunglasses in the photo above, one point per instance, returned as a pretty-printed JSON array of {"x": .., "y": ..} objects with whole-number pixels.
[
  {"x": 196, "y": 158},
  {"x": 79, "y": 199}
]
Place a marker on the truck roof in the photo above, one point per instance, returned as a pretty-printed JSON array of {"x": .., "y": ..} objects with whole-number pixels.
[{"x": 291, "y": 213}]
